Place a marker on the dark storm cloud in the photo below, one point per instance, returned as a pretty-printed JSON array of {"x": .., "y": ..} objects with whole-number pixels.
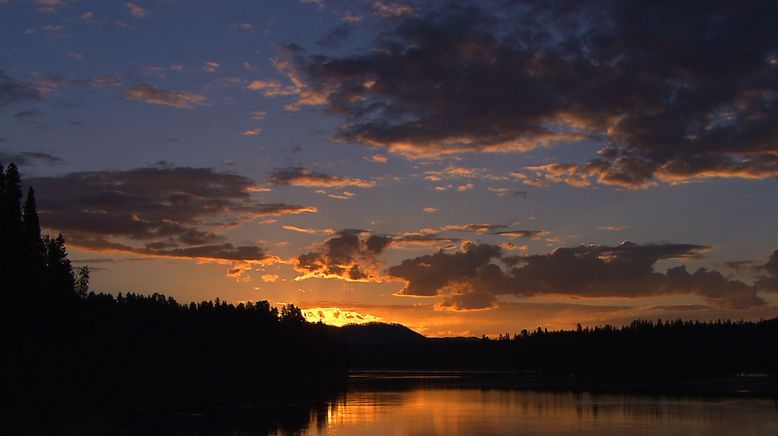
[
  {"x": 28, "y": 158},
  {"x": 626, "y": 270},
  {"x": 14, "y": 91},
  {"x": 298, "y": 176},
  {"x": 672, "y": 91},
  {"x": 173, "y": 211}
]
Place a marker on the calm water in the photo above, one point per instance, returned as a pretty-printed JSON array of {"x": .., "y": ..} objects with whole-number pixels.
[
  {"x": 397, "y": 404},
  {"x": 443, "y": 411}
]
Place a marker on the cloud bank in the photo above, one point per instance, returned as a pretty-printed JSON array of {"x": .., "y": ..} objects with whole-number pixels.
[
  {"x": 474, "y": 276},
  {"x": 667, "y": 98},
  {"x": 158, "y": 211}
]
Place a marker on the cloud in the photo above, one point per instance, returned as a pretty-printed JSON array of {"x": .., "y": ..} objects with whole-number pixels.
[
  {"x": 103, "y": 80},
  {"x": 16, "y": 91},
  {"x": 242, "y": 26},
  {"x": 29, "y": 158},
  {"x": 309, "y": 231},
  {"x": 136, "y": 11},
  {"x": 251, "y": 132},
  {"x": 391, "y": 9},
  {"x": 423, "y": 241},
  {"x": 429, "y": 210},
  {"x": 149, "y": 94},
  {"x": 668, "y": 100},
  {"x": 211, "y": 66},
  {"x": 626, "y": 270},
  {"x": 530, "y": 234},
  {"x": 769, "y": 281},
  {"x": 257, "y": 115},
  {"x": 50, "y": 5},
  {"x": 124, "y": 26},
  {"x": 351, "y": 256},
  {"x": 613, "y": 228},
  {"x": 473, "y": 228},
  {"x": 352, "y": 17},
  {"x": 161, "y": 211},
  {"x": 298, "y": 176},
  {"x": 451, "y": 172}
]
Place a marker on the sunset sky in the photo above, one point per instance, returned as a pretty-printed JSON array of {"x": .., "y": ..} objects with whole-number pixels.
[{"x": 463, "y": 168}]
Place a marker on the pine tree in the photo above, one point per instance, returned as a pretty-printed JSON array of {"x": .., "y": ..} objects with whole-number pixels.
[
  {"x": 32, "y": 228},
  {"x": 11, "y": 235},
  {"x": 5, "y": 291},
  {"x": 59, "y": 272},
  {"x": 4, "y": 212},
  {"x": 82, "y": 282},
  {"x": 13, "y": 196},
  {"x": 2, "y": 187}
]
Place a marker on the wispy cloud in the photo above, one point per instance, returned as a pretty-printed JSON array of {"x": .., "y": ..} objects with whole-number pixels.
[
  {"x": 163, "y": 97},
  {"x": 298, "y": 176},
  {"x": 136, "y": 11}
]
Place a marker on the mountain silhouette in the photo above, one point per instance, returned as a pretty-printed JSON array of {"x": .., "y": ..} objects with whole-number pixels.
[{"x": 375, "y": 333}]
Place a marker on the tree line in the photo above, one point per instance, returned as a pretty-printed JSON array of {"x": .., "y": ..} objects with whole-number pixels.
[
  {"x": 71, "y": 352},
  {"x": 642, "y": 350}
]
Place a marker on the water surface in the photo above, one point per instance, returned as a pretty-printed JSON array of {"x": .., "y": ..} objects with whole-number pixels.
[{"x": 430, "y": 410}]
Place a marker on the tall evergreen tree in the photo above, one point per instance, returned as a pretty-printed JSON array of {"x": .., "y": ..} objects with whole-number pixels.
[
  {"x": 59, "y": 272},
  {"x": 82, "y": 281},
  {"x": 13, "y": 195},
  {"x": 4, "y": 212},
  {"x": 32, "y": 245},
  {"x": 12, "y": 247},
  {"x": 2, "y": 185},
  {"x": 32, "y": 228},
  {"x": 5, "y": 291}
]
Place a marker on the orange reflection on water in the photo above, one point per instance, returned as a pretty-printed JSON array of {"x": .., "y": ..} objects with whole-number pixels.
[{"x": 501, "y": 412}]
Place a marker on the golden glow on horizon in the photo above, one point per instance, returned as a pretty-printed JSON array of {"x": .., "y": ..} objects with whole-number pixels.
[{"x": 337, "y": 317}]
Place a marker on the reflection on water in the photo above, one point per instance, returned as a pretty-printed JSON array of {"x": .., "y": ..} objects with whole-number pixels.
[
  {"x": 377, "y": 404},
  {"x": 403, "y": 405},
  {"x": 441, "y": 411}
]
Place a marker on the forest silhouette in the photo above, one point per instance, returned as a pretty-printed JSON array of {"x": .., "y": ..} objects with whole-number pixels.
[{"x": 70, "y": 352}]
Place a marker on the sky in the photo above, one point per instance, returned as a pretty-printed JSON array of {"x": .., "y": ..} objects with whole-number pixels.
[{"x": 463, "y": 168}]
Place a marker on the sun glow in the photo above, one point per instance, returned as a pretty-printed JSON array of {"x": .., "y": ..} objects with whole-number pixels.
[{"x": 337, "y": 317}]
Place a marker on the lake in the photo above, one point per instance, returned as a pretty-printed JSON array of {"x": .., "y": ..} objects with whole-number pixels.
[
  {"x": 470, "y": 411},
  {"x": 484, "y": 404}
]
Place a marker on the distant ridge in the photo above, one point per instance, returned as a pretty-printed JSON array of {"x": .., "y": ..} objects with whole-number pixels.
[{"x": 375, "y": 332}]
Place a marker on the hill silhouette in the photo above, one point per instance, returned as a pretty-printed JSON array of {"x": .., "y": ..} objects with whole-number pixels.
[{"x": 375, "y": 332}]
